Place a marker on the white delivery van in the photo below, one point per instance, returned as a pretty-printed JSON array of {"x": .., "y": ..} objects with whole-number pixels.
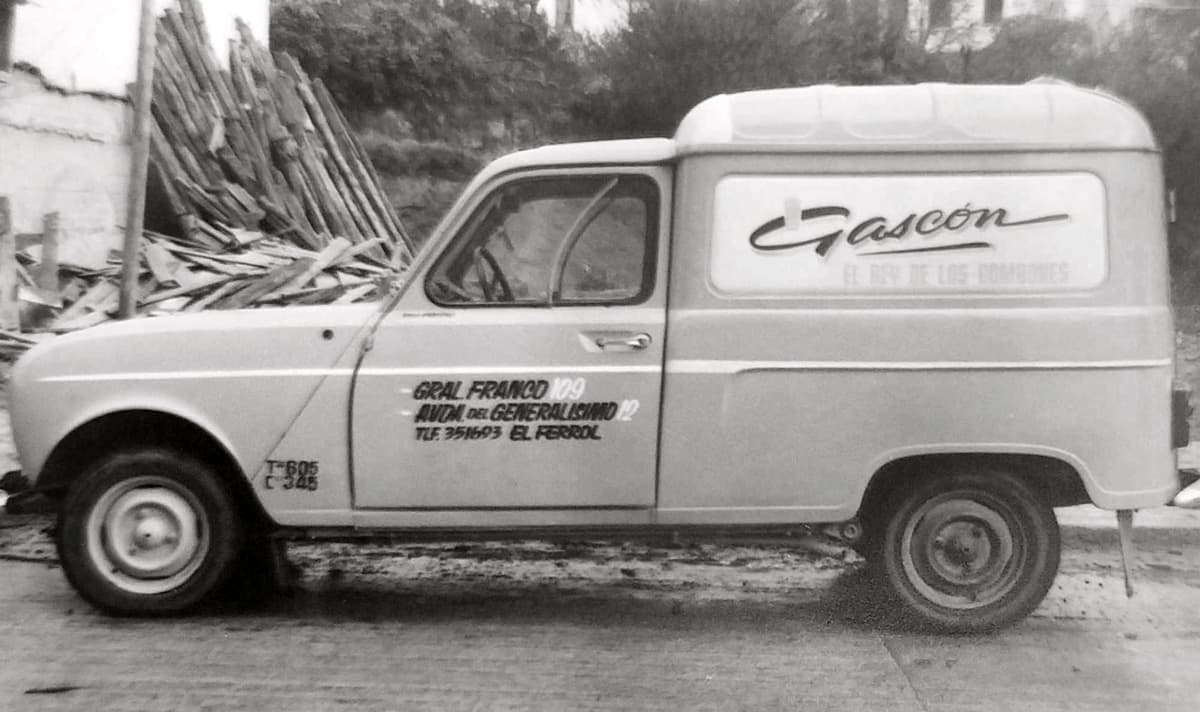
[{"x": 933, "y": 312}]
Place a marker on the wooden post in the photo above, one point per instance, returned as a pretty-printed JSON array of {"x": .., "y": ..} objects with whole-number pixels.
[
  {"x": 47, "y": 272},
  {"x": 8, "y": 11},
  {"x": 1125, "y": 536},
  {"x": 139, "y": 161},
  {"x": 10, "y": 315},
  {"x": 564, "y": 15}
]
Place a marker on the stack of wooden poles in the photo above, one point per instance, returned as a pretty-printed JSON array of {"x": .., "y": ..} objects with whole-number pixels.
[
  {"x": 274, "y": 199},
  {"x": 260, "y": 147}
]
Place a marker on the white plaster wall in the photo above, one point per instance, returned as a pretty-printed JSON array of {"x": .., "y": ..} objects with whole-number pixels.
[
  {"x": 970, "y": 12},
  {"x": 67, "y": 151},
  {"x": 66, "y": 154},
  {"x": 91, "y": 45}
]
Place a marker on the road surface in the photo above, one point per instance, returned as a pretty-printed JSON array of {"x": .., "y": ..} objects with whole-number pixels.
[{"x": 604, "y": 626}]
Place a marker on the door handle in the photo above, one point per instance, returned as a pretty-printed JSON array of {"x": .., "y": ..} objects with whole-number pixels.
[{"x": 623, "y": 342}]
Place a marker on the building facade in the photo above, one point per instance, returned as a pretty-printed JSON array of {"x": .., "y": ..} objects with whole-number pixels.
[{"x": 974, "y": 21}]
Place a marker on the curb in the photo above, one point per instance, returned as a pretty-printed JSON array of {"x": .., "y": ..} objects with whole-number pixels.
[{"x": 1086, "y": 516}]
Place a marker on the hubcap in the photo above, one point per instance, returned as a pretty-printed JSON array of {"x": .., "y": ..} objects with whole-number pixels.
[
  {"x": 147, "y": 535},
  {"x": 961, "y": 553}
]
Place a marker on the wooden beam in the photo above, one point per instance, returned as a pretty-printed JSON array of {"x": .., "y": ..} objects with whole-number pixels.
[
  {"x": 135, "y": 208},
  {"x": 8, "y": 12},
  {"x": 10, "y": 313},
  {"x": 47, "y": 271}
]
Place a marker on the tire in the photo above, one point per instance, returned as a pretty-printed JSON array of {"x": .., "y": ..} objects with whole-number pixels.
[
  {"x": 148, "y": 532},
  {"x": 968, "y": 552}
]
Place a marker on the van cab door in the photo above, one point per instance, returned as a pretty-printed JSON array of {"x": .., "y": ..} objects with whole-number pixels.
[{"x": 522, "y": 366}]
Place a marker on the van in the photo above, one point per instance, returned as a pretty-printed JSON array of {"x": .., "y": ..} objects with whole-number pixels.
[{"x": 924, "y": 315}]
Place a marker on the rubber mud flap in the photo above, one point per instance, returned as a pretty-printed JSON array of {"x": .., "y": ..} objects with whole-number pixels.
[{"x": 1181, "y": 411}]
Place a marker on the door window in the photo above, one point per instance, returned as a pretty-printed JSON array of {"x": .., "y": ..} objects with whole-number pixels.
[{"x": 554, "y": 241}]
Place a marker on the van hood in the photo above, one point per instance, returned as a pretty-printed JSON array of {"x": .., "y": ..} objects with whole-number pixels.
[{"x": 293, "y": 337}]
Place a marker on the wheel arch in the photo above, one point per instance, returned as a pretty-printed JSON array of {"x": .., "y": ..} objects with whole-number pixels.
[
  {"x": 1054, "y": 477},
  {"x": 122, "y": 429}
]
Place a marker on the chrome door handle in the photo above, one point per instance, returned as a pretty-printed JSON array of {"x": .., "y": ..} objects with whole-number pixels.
[{"x": 624, "y": 342}]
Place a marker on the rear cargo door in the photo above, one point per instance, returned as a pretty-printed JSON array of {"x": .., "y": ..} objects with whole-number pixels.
[{"x": 523, "y": 365}]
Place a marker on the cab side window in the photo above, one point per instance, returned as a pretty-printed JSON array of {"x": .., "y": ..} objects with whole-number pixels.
[{"x": 554, "y": 241}]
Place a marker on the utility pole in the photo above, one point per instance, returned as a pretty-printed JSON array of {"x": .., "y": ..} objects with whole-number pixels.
[
  {"x": 8, "y": 10},
  {"x": 139, "y": 163},
  {"x": 564, "y": 15}
]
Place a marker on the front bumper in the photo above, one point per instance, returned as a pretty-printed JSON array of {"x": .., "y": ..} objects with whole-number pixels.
[
  {"x": 18, "y": 497},
  {"x": 13, "y": 482},
  {"x": 1189, "y": 496}
]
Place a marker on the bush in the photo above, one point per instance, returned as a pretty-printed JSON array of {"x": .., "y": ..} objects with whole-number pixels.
[
  {"x": 408, "y": 157},
  {"x": 446, "y": 65}
]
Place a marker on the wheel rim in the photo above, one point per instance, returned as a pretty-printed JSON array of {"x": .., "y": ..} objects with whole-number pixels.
[
  {"x": 962, "y": 553},
  {"x": 147, "y": 535}
]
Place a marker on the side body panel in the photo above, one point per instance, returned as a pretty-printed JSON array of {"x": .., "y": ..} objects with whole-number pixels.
[
  {"x": 242, "y": 376},
  {"x": 780, "y": 408},
  {"x": 510, "y": 406}
]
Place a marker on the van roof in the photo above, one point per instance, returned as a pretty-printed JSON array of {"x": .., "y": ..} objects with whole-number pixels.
[{"x": 1044, "y": 114}]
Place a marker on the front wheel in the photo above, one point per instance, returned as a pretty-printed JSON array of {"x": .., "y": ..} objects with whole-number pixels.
[
  {"x": 969, "y": 551},
  {"x": 148, "y": 532}
]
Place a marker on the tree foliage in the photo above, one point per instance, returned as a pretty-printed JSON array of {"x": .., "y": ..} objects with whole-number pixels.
[
  {"x": 674, "y": 53},
  {"x": 458, "y": 68},
  {"x": 444, "y": 65}
]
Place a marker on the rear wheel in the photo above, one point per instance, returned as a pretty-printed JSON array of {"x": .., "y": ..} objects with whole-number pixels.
[
  {"x": 148, "y": 532},
  {"x": 968, "y": 551}
]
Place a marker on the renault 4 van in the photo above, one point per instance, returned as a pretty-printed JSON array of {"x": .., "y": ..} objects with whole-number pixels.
[{"x": 923, "y": 314}]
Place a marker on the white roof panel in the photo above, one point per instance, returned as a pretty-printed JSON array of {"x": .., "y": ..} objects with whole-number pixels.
[{"x": 1042, "y": 115}]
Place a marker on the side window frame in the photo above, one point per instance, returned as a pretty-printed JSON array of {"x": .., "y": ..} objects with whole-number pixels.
[{"x": 554, "y": 299}]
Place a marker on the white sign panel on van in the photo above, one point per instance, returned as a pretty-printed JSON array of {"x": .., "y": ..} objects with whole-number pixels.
[{"x": 908, "y": 233}]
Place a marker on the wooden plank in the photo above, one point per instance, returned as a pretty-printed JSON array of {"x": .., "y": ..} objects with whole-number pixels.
[
  {"x": 332, "y": 207},
  {"x": 10, "y": 313},
  {"x": 272, "y": 281},
  {"x": 349, "y": 187},
  {"x": 217, "y": 231},
  {"x": 186, "y": 116},
  {"x": 184, "y": 291},
  {"x": 101, "y": 293},
  {"x": 166, "y": 166},
  {"x": 215, "y": 295},
  {"x": 43, "y": 297},
  {"x": 356, "y": 293},
  {"x": 162, "y": 265},
  {"x": 251, "y": 259},
  {"x": 246, "y": 237},
  {"x": 370, "y": 176},
  {"x": 357, "y": 250},
  {"x": 196, "y": 235},
  {"x": 74, "y": 290},
  {"x": 324, "y": 258},
  {"x": 17, "y": 337},
  {"x": 82, "y": 321},
  {"x": 285, "y": 225},
  {"x": 186, "y": 278},
  {"x": 193, "y": 19},
  {"x": 376, "y": 202}
]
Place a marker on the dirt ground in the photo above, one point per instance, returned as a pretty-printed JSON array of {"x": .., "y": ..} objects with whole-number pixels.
[
  {"x": 594, "y": 625},
  {"x": 612, "y": 625}
]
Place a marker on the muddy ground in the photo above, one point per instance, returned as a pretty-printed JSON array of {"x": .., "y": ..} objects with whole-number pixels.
[
  {"x": 595, "y": 625},
  {"x": 612, "y": 625}
]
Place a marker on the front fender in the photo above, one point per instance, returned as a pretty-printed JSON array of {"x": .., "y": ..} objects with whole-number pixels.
[
  {"x": 244, "y": 420},
  {"x": 242, "y": 376}
]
